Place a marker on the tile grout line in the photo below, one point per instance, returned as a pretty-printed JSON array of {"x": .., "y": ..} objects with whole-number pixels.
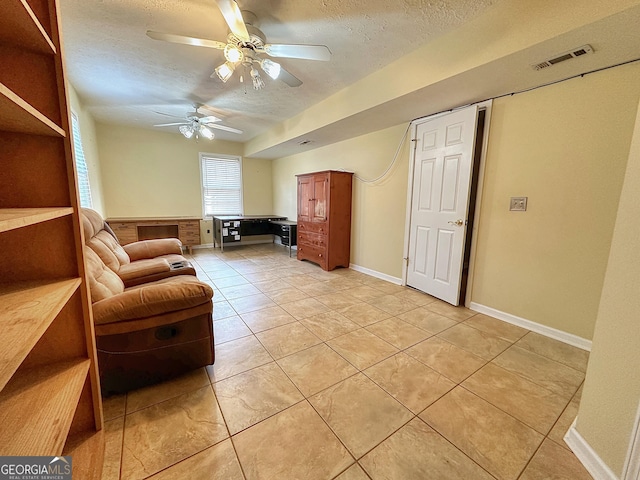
[{"x": 358, "y": 370}]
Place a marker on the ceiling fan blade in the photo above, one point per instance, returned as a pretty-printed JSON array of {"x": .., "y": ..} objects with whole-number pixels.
[
  {"x": 171, "y": 124},
  {"x": 233, "y": 16},
  {"x": 198, "y": 42},
  {"x": 225, "y": 128},
  {"x": 169, "y": 115},
  {"x": 308, "y": 52},
  {"x": 210, "y": 119},
  {"x": 218, "y": 113},
  {"x": 289, "y": 78}
]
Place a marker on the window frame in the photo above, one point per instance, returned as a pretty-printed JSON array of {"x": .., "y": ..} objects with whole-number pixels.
[
  {"x": 203, "y": 156},
  {"x": 79, "y": 158}
]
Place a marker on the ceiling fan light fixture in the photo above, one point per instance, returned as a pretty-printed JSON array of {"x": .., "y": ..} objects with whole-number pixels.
[
  {"x": 233, "y": 54},
  {"x": 225, "y": 71},
  {"x": 186, "y": 130},
  {"x": 270, "y": 68},
  {"x": 258, "y": 83},
  {"x": 206, "y": 132},
  {"x": 244, "y": 46}
]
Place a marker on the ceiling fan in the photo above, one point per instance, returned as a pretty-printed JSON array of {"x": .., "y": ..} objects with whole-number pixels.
[
  {"x": 244, "y": 47},
  {"x": 197, "y": 125}
]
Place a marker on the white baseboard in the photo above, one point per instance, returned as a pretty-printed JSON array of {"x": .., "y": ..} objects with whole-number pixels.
[
  {"x": 587, "y": 455},
  {"x": 251, "y": 242},
  {"x": 373, "y": 273},
  {"x": 243, "y": 242},
  {"x": 554, "y": 333},
  {"x": 235, "y": 244},
  {"x": 203, "y": 245}
]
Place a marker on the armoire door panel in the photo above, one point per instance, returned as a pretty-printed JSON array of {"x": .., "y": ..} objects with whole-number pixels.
[
  {"x": 320, "y": 197},
  {"x": 305, "y": 198}
]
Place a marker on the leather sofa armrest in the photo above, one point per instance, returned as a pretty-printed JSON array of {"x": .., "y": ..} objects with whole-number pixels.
[
  {"x": 152, "y": 248},
  {"x": 143, "y": 268},
  {"x": 168, "y": 295}
]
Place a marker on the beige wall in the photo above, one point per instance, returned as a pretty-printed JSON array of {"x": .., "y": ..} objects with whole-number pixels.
[
  {"x": 152, "y": 173},
  {"x": 378, "y": 209},
  {"x": 491, "y": 36},
  {"x": 612, "y": 388},
  {"x": 565, "y": 147},
  {"x": 90, "y": 148}
]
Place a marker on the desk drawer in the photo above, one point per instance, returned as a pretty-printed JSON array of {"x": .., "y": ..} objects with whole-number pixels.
[
  {"x": 152, "y": 223},
  {"x": 280, "y": 229},
  {"x": 126, "y": 232},
  {"x": 189, "y": 227},
  {"x": 122, "y": 225},
  {"x": 313, "y": 227},
  {"x": 190, "y": 239},
  {"x": 312, "y": 239},
  {"x": 189, "y": 224}
]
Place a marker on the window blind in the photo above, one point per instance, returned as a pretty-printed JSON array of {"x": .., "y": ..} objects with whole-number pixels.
[
  {"x": 221, "y": 185},
  {"x": 84, "y": 189}
]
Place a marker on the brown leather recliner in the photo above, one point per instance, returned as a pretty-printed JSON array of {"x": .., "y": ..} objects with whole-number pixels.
[
  {"x": 150, "y": 332},
  {"x": 138, "y": 262}
]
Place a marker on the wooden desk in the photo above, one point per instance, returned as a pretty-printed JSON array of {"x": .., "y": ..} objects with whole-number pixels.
[{"x": 129, "y": 230}]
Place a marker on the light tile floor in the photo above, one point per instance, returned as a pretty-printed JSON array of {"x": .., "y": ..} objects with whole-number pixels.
[{"x": 339, "y": 375}]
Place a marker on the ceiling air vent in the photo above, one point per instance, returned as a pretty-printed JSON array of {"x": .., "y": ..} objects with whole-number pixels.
[{"x": 563, "y": 56}]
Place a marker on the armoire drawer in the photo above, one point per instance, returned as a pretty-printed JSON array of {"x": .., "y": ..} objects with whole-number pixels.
[
  {"x": 312, "y": 239},
  {"x": 314, "y": 254},
  {"x": 313, "y": 227}
]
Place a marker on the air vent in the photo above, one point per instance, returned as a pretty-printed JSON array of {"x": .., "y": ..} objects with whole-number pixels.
[{"x": 563, "y": 57}]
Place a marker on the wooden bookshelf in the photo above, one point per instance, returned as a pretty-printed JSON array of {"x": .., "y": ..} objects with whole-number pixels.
[
  {"x": 37, "y": 407},
  {"x": 11, "y": 218},
  {"x": 50, "y": 402},
  {"x": 20, "y": 26},
  {"x": 20, "y": 116},
  {"x": 83, "y": 448},
  {"x": 26, "y": 311}
]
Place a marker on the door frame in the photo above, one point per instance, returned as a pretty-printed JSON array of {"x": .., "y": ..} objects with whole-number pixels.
[
  {"x": 631, "y": 469},
  {"x": 486, "y": 106}
]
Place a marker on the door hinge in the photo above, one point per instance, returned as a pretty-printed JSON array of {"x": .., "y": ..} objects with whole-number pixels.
[{"x": 406, "y": 260}]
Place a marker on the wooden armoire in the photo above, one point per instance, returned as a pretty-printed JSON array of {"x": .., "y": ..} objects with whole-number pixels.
[
  {"x": 324, "y": 218},
  {"x": 50, "y": 400}
]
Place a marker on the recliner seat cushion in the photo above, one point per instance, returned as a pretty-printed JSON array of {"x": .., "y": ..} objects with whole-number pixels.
[{"x": 146, "y": 300}]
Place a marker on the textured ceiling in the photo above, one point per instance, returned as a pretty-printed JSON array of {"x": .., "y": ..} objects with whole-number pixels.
[{"x": 124, "y": 77}]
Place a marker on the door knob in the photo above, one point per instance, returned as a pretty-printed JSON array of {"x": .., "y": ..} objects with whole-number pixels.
[{"x": 457, "y": 223}]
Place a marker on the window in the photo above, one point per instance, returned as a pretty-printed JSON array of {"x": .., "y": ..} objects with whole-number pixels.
[
  {"x": 221, "y": 184},
  {"x": 84, "y": 189}
]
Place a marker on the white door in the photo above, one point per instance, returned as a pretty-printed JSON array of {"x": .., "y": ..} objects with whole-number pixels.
[{"x": 443, "y": 161}]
